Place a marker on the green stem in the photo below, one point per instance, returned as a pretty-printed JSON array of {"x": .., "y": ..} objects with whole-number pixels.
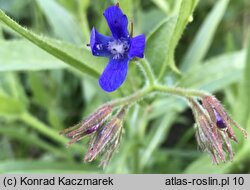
[
  {"x": 132, "y": 98},
  {"x": 182, "y": 92},
  {"x": 147, "y": 70},
  {"x": 45, "y": 130}
]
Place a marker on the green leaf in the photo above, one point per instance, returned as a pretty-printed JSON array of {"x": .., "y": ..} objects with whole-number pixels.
[
  {"x": 127, "y": 7},
  {"x": 40, "y": 93},
  {"x": 25, "y": 137},
  {"x": 158, "y": 43},
  {"x": 207, "y": 77},
  {"x": 11, "y": 85},
  {"x": 83, "y": 10},
  {"x": 29, "y": 58},
  {"x": 1, "y": 32},
  {"x": 158, "y": 134},
  {"x": 83, "y": 55},
  {"x": 185, "y": 13},
  {"x": 67, "y": 53},
  {"x": 204, "y": 37},
  {"x": 154, "y": 16},
  {"x": 10, "y": 106},
  {"x": 62, "y": 22},
  {"x": 163, "y": 5},
  {"x": 203, "y": 165},
  {"x": 242, "y": 110},
  {"x": 16, "y": 8},
  {"x": 6, "y": 149},
  {"x": 13, "y": 100}
]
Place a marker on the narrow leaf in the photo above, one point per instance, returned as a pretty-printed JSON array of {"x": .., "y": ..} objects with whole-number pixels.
[
  {"x": 158, "y": 43},
  {"x": 242, "y": 110},
  {"x": 25, "y": 137},
  {"x": 163, "y": 5},
  {"x": 204, "y": 37},
  {"x": 52, "y": 48},
  {"x": 62, "y": 22},
  {"x": 127, "y": 7},
  {"x": 186, "y": 10},
  {"x": 29, "y": 58},
  {"x": 10, "y": 106},
  {"x": 158, "y": 135},
  {"x": 207, "y": 77}
]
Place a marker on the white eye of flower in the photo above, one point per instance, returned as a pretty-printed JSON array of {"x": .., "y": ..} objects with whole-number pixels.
[
  {"x": 118, "y": 48},
  {"x": 99, "y": 46}
]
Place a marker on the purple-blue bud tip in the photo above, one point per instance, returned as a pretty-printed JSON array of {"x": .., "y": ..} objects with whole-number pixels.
[{"x": 219, "y": 121}]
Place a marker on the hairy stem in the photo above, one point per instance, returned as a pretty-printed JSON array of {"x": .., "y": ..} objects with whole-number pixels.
[
  {"x": 132, "y": 98},
  {"x": 182, "y": 92},
  {"x": 147, "y": 71}
]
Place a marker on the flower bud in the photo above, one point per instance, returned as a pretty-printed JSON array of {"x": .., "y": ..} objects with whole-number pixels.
[
  {"x": 222, "y": 119},
  {"x": 206, "y": 133},
  {"x": 106, "y": 138},
  {"x": 214, "y": 128},
  {"x": 110, "y": 150},
  {"x": 88, "y": 125}
]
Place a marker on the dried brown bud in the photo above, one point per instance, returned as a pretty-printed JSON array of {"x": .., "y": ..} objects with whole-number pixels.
[
  {"x": 219, "y": 116},
  {"x": 110, "y": 150},
  {"x": 206, "y": 133},
  {"x": 88, "y": 125},
  {"x": 107, "y": 138},
  {"x": 214, "y": 128}
]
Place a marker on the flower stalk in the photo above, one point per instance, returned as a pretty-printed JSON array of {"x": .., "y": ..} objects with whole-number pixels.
[
  {"x": 147, "y": 71},
  {"x": 157, "y": 88}
]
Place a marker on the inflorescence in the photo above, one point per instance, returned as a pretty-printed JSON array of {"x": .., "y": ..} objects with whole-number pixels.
[
  {"x": 214, "y": 126},
  {"x": 104, "y": 130}
]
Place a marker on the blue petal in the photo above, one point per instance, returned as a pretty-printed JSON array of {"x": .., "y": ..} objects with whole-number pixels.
[
  {"x": 137, "y": 47},
  {"x": 117, "y": 21},
  {"x": 99, "y": 44},
  {"x": 114, "y": 74}
]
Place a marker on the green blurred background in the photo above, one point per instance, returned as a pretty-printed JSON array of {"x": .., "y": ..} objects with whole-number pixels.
[{"x": 40, "y": 95}]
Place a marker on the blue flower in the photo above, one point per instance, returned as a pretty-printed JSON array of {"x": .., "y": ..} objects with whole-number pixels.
[{"x": 120, "y": 48}]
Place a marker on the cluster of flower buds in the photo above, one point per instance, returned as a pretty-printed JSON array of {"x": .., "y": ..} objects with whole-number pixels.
[
  {"x": 105, "y": 131},
  {"x": 214, "y": 128}
]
